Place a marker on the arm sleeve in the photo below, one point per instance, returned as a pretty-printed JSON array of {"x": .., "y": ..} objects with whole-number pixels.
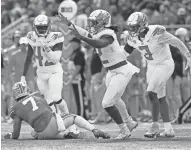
[
  {"x": 28, "y": 60},
  {"x": 170, "y": 39}
]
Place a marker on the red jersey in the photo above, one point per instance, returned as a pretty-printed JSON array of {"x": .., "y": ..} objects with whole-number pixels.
[{"x": 34, "y": 111}]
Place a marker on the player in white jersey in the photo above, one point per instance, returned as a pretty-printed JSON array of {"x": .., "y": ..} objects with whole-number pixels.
[
  {"x": 102, "y": 36},
  {"x": 47, "y": 48},
  {"x": 153, "y": 42}
]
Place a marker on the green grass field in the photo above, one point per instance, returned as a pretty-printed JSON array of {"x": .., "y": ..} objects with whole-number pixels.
[{"x": 182, "y": 141}]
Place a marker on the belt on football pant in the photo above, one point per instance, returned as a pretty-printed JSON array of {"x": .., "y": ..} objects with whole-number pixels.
[{"x": 120, "y": 64}]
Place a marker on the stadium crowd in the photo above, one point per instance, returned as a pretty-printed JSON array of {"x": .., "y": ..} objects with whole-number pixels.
[{"x": 163, "y": 12}]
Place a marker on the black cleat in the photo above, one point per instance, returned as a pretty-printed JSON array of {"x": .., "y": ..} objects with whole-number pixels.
[
  {"x": 98, "y": 133},
  {"x": 72, "y": 135}
]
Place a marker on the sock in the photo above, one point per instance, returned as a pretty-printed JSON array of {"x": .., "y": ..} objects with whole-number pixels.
[
  {"x": 62, "y": 106},
  {"x": 82, "y": 123},
  {"x": 155, "y": 105},
  {"x": 123, "y": 110},
  {"x": 114, "y": 114},
  {"x": 167, "y": 126},
  {"x": 164, "y": 109}
]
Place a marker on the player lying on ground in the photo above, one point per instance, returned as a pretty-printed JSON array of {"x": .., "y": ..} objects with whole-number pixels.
[
  {"x": 102, "y": 36},
  {"x": 153, "y": 42},
  {"x": 38, "y": 114},
  {"x": 47, "y": 48}
]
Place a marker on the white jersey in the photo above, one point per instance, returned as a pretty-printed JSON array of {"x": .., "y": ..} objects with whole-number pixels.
[
  {"x": 113, "y": 53},
  {"x": 151, "y": 46},
  {"x": 42, "y": 61}
]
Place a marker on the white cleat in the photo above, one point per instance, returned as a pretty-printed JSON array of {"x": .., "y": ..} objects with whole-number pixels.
[
  {"x": 124, "y": 133},
  {"x": 167, "y": 133},
  {"x": 131, "y": 124},
  {"x": 153, "y": 131}
]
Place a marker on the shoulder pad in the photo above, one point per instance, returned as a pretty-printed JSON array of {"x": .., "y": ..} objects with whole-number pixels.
[
  {"x": 11, "y": 112},
  {"x": 158, "y": 30},
  {"x": 30, "y": 37}
]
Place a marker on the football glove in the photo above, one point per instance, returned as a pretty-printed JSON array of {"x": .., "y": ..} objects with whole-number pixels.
[
  {"x": 23, "y": 80},
  {"x": 8, "y": 136}
]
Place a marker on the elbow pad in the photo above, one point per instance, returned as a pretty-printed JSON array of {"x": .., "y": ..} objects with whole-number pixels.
[{"x": 54, "y": 56}]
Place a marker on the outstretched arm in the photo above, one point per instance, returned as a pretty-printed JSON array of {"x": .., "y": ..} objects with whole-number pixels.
[
  {"x": 170, "y": 39},
  {"x": 28, "y": 60}
]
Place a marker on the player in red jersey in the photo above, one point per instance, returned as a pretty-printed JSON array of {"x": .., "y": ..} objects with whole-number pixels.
[{"x": 38, "y": 114}]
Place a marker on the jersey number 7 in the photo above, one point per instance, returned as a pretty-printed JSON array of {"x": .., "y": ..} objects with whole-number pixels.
[
  {"x": 32, "y": 101},
  {"x": 148, "y": 54}
]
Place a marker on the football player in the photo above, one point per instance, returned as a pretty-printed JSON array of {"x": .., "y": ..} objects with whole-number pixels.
[
  {"x": 47, "y": 48},
  {"x": 102, "y": 36},
  {"x": 153, "y": 42},
  {"x": 38, "y": 114}
]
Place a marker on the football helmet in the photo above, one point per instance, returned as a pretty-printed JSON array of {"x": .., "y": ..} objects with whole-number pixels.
[
  {"x": 136, "y": 23},
  {"x": 20, "y": 89},
  {"x": 41, "y": 25},
  {"x": 98, "y": 20}
]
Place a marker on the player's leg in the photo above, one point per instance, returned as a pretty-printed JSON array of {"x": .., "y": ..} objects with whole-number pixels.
[
  {"x": 71, "y": 119},
  {"x": 55, "y": 89},
  {"x": 131, "y": 124},
  {"x": 55, "y": 84},
  {"x": 153, "y": 81},
  {"x": 164, "y": 109},
  {"x": 115, "y": 84}
]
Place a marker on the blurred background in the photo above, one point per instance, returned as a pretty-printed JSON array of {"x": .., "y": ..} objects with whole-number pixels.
[{"x": 16, "y": 22}]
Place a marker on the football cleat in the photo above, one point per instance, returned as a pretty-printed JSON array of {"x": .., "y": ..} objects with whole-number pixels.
[
  {"x": 153, "y": 131},
  {"x": 167, "y": 133},
  {"x": 98, "y": 133},
  {"x": 131, "y": 124},
  {"x": 124, "y": 133},
  {"x": 72, "y": 135}
]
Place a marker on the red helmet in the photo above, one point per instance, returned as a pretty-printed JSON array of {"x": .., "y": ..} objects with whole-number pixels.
[
  {"x": 137, "y": 22},
  {"x": 20, "y": 89}
]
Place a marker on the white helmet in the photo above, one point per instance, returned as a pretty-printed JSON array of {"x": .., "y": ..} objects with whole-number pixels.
[
  {"x": 98, "y": 20},
  {"x": 41, "y": 25}
]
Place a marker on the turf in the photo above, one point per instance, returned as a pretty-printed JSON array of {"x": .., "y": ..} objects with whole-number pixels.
[{"x": 137, "y": 141}]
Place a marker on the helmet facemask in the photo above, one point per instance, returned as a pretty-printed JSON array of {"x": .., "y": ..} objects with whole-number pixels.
[
  {"x": 98, "y": 20},
  {"x": 20, "y": 90},
  {"x": 42, "y": 30},
  {"x": 41, "y": 25},
  {"x": 137, "y": 23}
]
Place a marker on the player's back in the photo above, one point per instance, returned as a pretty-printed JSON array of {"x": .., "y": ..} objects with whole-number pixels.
[
  {"x": 34, "y": 111},
  {"x": 113, "y": 53}
]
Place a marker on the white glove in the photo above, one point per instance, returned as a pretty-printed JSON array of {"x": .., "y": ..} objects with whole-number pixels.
[{"x": 23, "y": 80}]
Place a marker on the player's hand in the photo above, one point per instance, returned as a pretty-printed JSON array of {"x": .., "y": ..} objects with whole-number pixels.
[
  {"x": 8, "y": 136},
  {"x": 45, "y": 47},
  {"x": 63, "y": 19},
  {"x": 23, "y": 80}
]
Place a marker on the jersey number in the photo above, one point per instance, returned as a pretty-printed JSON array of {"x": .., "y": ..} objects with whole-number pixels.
[
  {"x": 148, "y": 54},
  {"x": 32, "y": 101},
  {"x": 40, "y": 57}
]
